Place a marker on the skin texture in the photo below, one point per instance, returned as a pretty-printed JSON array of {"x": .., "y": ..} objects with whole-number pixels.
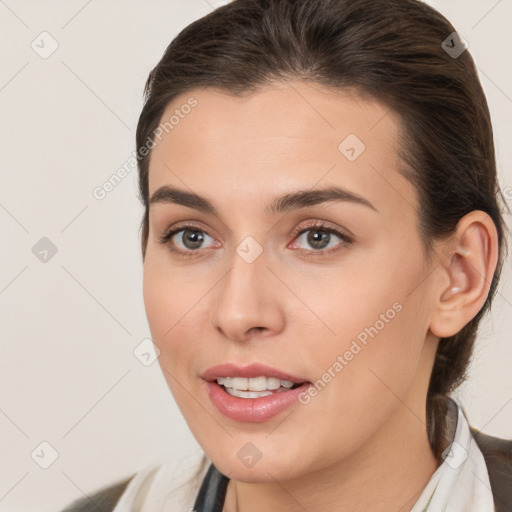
[{"x": 361, "y": 443}]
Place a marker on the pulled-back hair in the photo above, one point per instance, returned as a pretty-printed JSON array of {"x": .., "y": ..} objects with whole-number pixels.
[{"x": 390, "y": 50}]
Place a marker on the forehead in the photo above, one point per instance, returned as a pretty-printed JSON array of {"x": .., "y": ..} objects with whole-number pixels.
[{"x": 283, "y": 136}]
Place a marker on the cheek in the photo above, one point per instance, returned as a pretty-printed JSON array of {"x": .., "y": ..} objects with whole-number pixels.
[
  {"x": 362, "y": 376},
  {"x": 170, "y": 317},
  {"x": 171, "y": 309},
  {"x": 157, "y": 302},
  {"x": 377, "y": 330},
  {"x": 167, "y": 297},
  {"x": 381, "y": 336}
]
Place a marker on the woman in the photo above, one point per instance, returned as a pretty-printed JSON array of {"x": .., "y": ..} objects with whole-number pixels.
[{"x": 322, "y": 236}]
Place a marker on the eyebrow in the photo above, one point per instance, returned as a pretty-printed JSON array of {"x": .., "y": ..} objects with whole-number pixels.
[{"x": 284, "y": 203}]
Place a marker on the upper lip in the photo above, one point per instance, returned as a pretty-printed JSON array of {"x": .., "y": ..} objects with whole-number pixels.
[{"x": 252, "y": 370}]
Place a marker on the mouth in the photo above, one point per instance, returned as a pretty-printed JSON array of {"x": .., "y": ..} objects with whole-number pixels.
[{"x": 252, "y": 393}]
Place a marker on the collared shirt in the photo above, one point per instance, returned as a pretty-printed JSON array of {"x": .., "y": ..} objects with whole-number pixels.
[{"x": 460, "y": 483}]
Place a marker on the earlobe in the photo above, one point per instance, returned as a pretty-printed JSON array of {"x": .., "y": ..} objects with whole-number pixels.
[{"x": 468, "y": 261}]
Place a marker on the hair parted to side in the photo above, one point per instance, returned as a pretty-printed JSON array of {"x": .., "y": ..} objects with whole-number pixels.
[{"x": 389, "y": 50}]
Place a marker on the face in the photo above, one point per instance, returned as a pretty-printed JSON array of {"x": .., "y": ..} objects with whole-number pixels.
[{"x": 332, "y": 289}]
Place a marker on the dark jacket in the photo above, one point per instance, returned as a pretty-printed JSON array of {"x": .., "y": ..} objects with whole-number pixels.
[{"x": 497, "y": 454}]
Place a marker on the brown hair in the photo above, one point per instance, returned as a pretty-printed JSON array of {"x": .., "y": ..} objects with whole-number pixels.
[{"x": 390, "y": 50}]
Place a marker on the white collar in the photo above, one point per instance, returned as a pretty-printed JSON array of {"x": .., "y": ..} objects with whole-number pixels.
[{"x": 461, "y": 482}]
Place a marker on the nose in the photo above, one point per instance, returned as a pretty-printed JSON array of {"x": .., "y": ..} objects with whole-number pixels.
[{"x": 247, "y": 301}]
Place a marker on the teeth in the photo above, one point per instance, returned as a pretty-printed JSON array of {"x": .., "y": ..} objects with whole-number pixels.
[
  {"x": 253, "y": 383},
  {"x": 247, "y": 394}
]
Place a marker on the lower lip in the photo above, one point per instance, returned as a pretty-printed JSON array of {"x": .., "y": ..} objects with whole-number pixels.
[{"x": 254, "y": 410}]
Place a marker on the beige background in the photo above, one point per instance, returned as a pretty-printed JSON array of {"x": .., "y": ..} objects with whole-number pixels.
[{"x": 69, "y": 327}]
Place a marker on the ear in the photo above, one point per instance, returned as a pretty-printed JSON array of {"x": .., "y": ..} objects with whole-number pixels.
[{"x": 467, "y": 261}]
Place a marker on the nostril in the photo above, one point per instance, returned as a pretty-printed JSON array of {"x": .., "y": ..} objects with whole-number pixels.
[{"x": 256, "y": 329}]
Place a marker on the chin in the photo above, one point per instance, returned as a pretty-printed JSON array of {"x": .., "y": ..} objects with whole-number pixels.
[{"x": 265, "y": 469}]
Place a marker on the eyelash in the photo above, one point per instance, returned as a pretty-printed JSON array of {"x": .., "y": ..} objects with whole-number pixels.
[{"x": 312, "y": 226}]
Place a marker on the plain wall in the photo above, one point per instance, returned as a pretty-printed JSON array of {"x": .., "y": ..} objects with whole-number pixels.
[{"x": 70, "y": 324}]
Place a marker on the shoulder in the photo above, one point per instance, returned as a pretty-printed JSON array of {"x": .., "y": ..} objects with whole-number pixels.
[
  {"x": 496, "y": 450},
  {"x": 497, "y": 454},
  {"x": 103, "y": 499},
  {"x": 173, "y": 482}
]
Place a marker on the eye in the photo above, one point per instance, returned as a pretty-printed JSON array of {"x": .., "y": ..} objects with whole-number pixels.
[
  {"x": 188, "y": 239},
  {"x": 319, "y": 236}
]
